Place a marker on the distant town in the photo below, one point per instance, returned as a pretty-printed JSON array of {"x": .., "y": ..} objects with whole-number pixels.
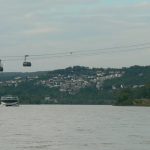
[
  {"x": 73, "y": 79},
  {"x": 70, "y": 83}
]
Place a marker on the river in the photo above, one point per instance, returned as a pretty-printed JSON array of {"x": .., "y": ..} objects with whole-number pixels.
[{"x": 74, "y": 127}]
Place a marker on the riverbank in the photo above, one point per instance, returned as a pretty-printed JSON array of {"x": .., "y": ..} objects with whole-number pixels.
[{"x": 141, "y": 102}]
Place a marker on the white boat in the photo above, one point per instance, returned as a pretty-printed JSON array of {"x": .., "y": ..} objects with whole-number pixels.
[{"x": 10, "y": 100}]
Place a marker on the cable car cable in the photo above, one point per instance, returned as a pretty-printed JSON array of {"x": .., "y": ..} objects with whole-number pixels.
[{"x": 129, "y": 48}]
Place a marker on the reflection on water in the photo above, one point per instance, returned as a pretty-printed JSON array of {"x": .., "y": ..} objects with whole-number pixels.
[{"x": 65, "y": 127}]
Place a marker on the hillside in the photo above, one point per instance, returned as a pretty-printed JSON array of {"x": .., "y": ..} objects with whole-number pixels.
[{"x": 75, "y": 85}]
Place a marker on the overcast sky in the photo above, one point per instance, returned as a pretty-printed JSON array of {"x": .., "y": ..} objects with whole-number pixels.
[{"x": 58, "y": 26}]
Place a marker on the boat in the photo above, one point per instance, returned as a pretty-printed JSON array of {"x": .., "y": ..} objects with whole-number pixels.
[{"x": 10, "y": 100}]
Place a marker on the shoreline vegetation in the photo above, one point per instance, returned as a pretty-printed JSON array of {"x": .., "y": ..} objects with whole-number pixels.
[
  {"x": 142, "y": 102},
  {"x": 134, "y": 97},
  {"x": 137, "y": 102},
  {"x": 80, "y": 85}
]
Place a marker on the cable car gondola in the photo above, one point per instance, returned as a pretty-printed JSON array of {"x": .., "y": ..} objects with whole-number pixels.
[
  {"x": 26, "y": 63},
  {"x": 1, "y": 66}
]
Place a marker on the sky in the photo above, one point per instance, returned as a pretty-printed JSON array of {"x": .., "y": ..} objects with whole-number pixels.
[{"x": 68, "y": 26}]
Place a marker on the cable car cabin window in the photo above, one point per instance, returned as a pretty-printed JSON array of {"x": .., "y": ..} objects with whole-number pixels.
[
  {"x": 1, "y": 69},
  {"x": 27, "y": 64}
]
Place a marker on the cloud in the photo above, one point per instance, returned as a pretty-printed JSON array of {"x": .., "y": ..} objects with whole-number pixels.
[
  {"x": 142, "y": 5},
  {"x": 45, "y": 26},
  {"x": 70, "y": 2},
  {"x": 41, "y": 30}
]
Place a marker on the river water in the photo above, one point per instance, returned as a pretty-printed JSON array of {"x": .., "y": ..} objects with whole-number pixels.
[{"x": 66, "y": 127}]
